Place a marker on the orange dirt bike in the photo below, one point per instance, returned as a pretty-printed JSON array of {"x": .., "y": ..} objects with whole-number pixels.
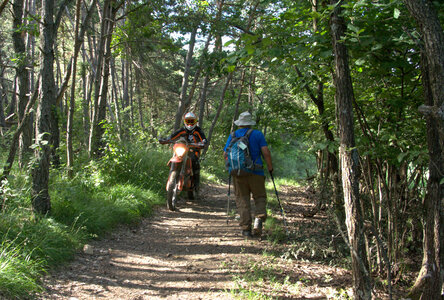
[{"x": 181, "y": 172}]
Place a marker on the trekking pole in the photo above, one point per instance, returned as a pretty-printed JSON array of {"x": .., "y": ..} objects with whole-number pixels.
[
  {"x": 228, "y": 202},
  {"x": 280, "y": 206}
]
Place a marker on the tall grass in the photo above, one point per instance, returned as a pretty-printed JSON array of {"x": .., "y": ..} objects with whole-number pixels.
[
  {"x": 18, "y": 272},
  {"x": 121, "y": 188},
  {"x": 30, "y": 245}
]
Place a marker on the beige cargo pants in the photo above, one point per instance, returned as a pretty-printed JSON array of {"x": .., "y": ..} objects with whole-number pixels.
[{"x": 244, "y": 186}]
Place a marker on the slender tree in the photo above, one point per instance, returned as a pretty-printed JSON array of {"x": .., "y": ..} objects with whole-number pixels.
[
  {"x": 429, "y": 282},
  {"x": 69, "y": 125},
  {"x": 219, "y": 109},
  {"x": 3, "y": 5},
  {"x": 22, "y": 76},
  {"x": 349, "y": 156},
  {"x": 14, "y": 141},
  {"x": 40, "y": 198},
  {"x": 185, "y": 80},
  {"x": 110, "y": 9}
]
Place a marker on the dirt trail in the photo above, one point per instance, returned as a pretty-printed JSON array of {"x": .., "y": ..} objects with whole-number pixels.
[
  {"x": 193, "y": 254},
  {"x": 173, "y": 255}
]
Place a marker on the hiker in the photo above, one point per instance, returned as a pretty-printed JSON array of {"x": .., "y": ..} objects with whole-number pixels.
[
  {"x": 193, "y": 133},
  {"x": 251, "y": 180}
]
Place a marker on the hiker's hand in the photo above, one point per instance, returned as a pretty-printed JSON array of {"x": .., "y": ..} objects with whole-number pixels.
[{"x": 270, "y": 171}]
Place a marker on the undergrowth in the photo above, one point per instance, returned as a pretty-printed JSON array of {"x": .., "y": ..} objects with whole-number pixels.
[{"x": 120, "y": 188}]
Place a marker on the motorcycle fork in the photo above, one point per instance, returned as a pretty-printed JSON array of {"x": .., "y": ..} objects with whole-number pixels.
[{"x": 181, "y": 179}]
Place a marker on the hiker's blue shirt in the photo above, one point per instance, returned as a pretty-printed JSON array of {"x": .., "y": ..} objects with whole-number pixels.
[{"x": 257, "y": 141}]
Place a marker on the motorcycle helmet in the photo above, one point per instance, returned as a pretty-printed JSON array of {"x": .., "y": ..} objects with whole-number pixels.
[{"x": 190, "y": 120}]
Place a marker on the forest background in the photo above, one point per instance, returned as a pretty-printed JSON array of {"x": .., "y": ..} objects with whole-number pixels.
[{"x": 349, "y": 93}]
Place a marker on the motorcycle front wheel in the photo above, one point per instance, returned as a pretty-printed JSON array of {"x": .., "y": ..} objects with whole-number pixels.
[{"x": 172, "y": 191}]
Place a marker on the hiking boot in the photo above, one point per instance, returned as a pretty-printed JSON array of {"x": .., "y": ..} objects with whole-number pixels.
[
  {"x": 257, "y": 228},
  {"x": 246, "y": 233}
]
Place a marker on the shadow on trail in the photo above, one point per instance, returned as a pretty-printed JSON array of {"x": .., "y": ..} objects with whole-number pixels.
[
  {"x": 191, "y": 253},
  {"x": 178, "y": 253}
]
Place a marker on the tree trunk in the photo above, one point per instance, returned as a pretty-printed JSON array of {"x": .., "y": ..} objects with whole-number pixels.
[
  {"x": 2, "y": 104},
  {"x": 102, "y": 76},
  {"x": 138, "y": 94},
  {"x": 429, "y": 283},
  {"x": 40, "y": 199},
  {"x": 131, "y": 93},
  {"x": 22, "y": 75},
  {"x": 198, "y": 72},
  {"x": 57, "y": 103},
  {"x": 87, "y": 79},
  {"x": 239, "y": 97},
  {"x": 332, "y": 157},
  {"x": 115, "y": 95},
  {"x": 99, "y": 54},
  {"x": 31, "y": 8},
  {"x": 125, "y": 98},
  {"x": 69, "y": 125},
  {"x": 3, "y": 5},
  {"x": 14, "y": 141},
  {"x": 349, "y": 157},
  {"x": 2, "y": 113},
  {"x": 219, "y": 109},
  {"x": 185, "y": 80}
]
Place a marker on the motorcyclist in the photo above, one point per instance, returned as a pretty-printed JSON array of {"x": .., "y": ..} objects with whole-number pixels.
[{"x": 193, "y": 133}]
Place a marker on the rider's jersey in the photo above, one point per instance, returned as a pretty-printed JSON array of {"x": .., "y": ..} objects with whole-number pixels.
[{"x": 195, "y": 136}]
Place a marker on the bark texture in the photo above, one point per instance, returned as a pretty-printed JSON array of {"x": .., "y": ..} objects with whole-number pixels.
[
  {"x": 22, "y": 75},
  {"x": 349, "y": 158},
  {"x": 185, "y": 81},
  {"x": 102, "y": 77},
  {"x": 429, "y": 283},
  {"x": 41, "y": 201}
]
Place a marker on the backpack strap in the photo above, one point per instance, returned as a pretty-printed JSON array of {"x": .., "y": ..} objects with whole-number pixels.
[
  {"x": 234, "y": 138},
  {"x": 256, "y": 167},
  {"x": 248, "y": 133}
]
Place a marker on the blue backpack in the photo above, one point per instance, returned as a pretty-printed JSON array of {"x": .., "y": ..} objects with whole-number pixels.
[{"x": 239, "y": 161}]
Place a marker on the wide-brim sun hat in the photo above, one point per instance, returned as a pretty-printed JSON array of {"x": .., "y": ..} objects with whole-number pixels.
[{"x": 245, "y": 119}]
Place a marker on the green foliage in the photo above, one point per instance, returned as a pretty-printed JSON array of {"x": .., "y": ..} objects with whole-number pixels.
[
  {"x": 274, "y": 228},
  {"x": 19, "y": 273},
  {"x": 44, "y": 238},
  {"x": 98, "y": 210},
  {"x": 265, "y": 279},
  {"x": 29, "y": 246},
  {"x": 285, "y": 57},
  {"x": 292, "y": 160},
  {"x": 121, "y": 188},
  {"x": 141, "y": 163}
]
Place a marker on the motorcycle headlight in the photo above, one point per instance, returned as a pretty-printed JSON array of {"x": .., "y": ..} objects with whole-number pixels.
[{"x": 180, "y": 151}]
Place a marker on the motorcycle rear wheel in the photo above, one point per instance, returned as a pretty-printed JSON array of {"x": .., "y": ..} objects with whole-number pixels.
[{"x": 172, "y": 191}]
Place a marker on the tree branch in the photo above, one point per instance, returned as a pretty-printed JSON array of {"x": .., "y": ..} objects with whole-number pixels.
[{"x": 3, "y": 5}]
